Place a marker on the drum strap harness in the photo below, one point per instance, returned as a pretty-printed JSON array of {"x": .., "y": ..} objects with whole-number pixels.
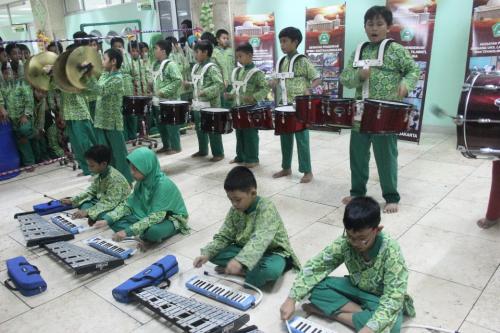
[
  {"x": 156, "y": 74},
  {"x": 198, "y": 78},
  {"x": 283, "y": 76},
  {"x": 241, "y": 84}
]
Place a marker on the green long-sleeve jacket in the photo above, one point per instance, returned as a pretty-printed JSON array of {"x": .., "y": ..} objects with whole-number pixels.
[
  {"x": 74, "y": 106},
  {"x": 140, "y": 76},
  {"x": 224, "y": 58},
  {"x": 109, "y": 188},
  {"x": 167, "y": 85},
  {"x": 110, "y": 88},
  {"x": 258, "y": 230},
  {"x": 184, "y": 66},
  {"x": 384, "y": 275},
  {"x": 399, "y": 67},
  {"x": 257, "y": 87},
  {"x": 213, "y": 84},
  {"x": 19, "y": 100}
]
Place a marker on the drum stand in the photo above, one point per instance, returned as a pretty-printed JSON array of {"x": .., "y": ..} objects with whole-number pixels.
[{"x": 143, "y": 132}]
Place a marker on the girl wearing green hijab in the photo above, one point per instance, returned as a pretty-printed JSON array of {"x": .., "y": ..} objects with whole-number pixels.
[{"x": 155, "y": 210}]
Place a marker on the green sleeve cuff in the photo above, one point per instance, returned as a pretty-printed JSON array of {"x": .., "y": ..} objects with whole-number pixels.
[
  {"x": 129, "y": 232},
  {"x": 108, "y": 219}
]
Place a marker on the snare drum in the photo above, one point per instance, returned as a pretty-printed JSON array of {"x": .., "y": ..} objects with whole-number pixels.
[
  {"x": 262, "y": 117},
  {"x": 339, "y": 112},
  {"x": 309, "y": 109},
  {"x": 174, "y": 112},
  {"x": 285, "y": 120},
  {"x": 136, "y": 105},
  {"x": 216, "y": 120},
  {"x": 478, "y": 123},
  {"x": 384, "y": 117},
  {"x": 252, "y": 116}
]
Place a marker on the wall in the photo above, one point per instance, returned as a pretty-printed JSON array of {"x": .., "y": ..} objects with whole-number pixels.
[{"x": 451, "y": 35}]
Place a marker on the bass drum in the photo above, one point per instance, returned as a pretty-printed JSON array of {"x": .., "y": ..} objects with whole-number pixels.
[{"x": 478, "y": 118}]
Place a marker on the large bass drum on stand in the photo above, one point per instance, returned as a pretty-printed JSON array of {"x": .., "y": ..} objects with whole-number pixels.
[{"x": 478, "y": 118}]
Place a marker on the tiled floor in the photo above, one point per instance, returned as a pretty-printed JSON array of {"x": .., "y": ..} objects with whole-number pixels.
[{"x": 455, "y": 275}]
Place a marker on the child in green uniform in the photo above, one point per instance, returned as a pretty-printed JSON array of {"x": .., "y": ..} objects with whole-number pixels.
[
  {"x": 108, "y": 189},
  {"x": 249, "y": 87},
  {"x": 167, "y": 82},
  {"x": 253, "y": 241},
  {"x": 109, "y": 117},
  {"x": 208, "y": 86},
  {"x": 391, "y": 81},
  {"x": 53, "y": 118},
  {"x": 155, "y": 210},
  {"x": 373, "y": 297},
  {"x": 177, "y": 55},
  {"x": 302, "y": 79}
]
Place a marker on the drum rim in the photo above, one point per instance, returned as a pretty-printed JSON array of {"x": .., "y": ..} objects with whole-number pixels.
[
  {"x": 330, "y": 99},
  {"x": 179, "y": 102},
  {"x": 276, "y": 109},
  {"x": 137, "y": 97},
  {"x": 300, "y": 97},
  {"x": 387, "y": 103},
  {"x": 215, "y": 110}
]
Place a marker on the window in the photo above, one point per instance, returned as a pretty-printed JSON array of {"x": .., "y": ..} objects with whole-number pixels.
[
  {"x": 73, "y": 6},
  {"x": 20, "y": 12}
]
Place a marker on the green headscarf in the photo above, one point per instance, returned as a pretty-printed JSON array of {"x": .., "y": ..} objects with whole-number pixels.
[{"x": 156, "y": 192}]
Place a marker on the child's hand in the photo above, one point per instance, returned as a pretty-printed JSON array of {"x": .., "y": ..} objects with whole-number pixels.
[
  {"x": 249, "y": 99},
  {"x": 66, "y": 201},
  {"x": 287, "y": 309},
  {"x": 119, "y": 236},
  {"x": 23, "y": 120},
  {"x": 403, "y": 90},
  {"x": 80, "y": 214},
  {"x": 364, "y": 73},
  {"x": 100, "y": 224},
  {"x": 366, "y": 329},
  {"x": 228, "y": 96},
  {"x": 199, "y": 261},
  {"x": 234, "y": 267}
]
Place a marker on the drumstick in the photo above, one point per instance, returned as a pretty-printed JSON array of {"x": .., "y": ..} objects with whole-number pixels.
[
  {"x": 48, "y": 196},
  {"x": 459, "y": 120}
]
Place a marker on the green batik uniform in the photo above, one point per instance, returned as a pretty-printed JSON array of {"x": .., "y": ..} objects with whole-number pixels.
[
  {"x": 257, "y": 239},
  {"x": 399, "y": 67},
  {"x": 379, "y": 285},
  {"x": 224, "y": 58},
  {"x": 109, "y": 118},
  {"x": 51, "y": 130},
  {"x": 304, "y": 74},
  {"x": 155, "y": 209},
  {"x": 107, "y": 191},
  {"x": 136, "y": 84},
  {"x": 207, "y": 79},
  {"x": 167, "y": 81},
  {"x": 40, "y": 147},
  {"x": 248, "y": 82},
  {"x": 79, "y": 127},
  {"x": 19, "y": 103}
]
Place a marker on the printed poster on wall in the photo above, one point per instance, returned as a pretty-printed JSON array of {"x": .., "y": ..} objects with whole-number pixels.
[
  {"x": 325, "y": 37},
  {"x": 259, "y": 31},
  {"x": 414, "y": 28},
  {"x": 484, "y": 43}
]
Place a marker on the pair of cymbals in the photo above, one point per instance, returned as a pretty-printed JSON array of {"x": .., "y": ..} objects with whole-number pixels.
[{"x": 35, "y": 72}]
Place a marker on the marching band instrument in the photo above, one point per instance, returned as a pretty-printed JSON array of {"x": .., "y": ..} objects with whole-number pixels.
[
  {"x": 109, "y": 247},
  {"x": 59, "y": 73},
  {"x": 35, "y": 72},
  {"x": 37, "y": 231},
  {"x": 384, "y": 117},
  {"x": 302, "y": 325},
  {"x": 65, "y": 222},
  {"x": 81, "y": 61}
]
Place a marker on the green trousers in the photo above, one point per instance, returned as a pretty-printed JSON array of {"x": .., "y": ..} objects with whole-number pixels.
[
  {"x": 40, "y": 148},
  {"x": 130, "y": 127},
  {"x": 303, "y": 150},
  {"x": 170, "y": 135},
  {"x": 82, "y": 138},
  {"x": 203, "y": 138},
  {"x": 114, "y": 140},
  {"x": 385, "y": 149},
  {"x": 155, "y": 234},
  {"x": 92, "y": 105},
  {"x": 269, "y": 268},
  {"x": 55, "y": 149},
  {"x": 247, "y": 145},
  {"x": 25, "y": 142},
  {"x": 89, "y": 204},
  {"x": 331, "y": 294}
]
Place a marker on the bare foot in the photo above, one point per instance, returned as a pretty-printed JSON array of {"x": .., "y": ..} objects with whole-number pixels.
[
  {"x": 220, "y": 269},
  {"x": 251, "y": 165},
  {"x": 282, "y": 173},
  {"x": 172, "y": 152},
  {"x": 234, "y": 160},
  {"x": 198, "y": 154},
  {"x": 346, "y": 200},
  {"x": 391, "y": 208},
  {"x": 162, "y": 150},
  {"x": 484, "y": 223},
  {"x": 216, "y": 158},
  {"x": 144, "y": 246},
  {"x": 307, "y": 178},
  {"x": 81, "y": 174}
]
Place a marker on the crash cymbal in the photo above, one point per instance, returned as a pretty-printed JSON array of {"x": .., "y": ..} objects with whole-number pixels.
[
  {"x": 59, "y": 73},
  {"x": 34, "y": 70},
  {"x": 74, "y": 69}
]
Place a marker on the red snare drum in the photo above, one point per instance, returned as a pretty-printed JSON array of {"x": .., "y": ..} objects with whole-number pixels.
[
  {"x": 478, "y": 123},
  {"x": 285, "y": 120},
  {"x": 263, "y": 118},
  {"x": 252, "y": 116},
  {"x": 174, "y": 112},
  {"x": 136, "y": 105},
  {"x": 339, "y": 112},
  {"x": 216, "y": 120},
  {"x": 384, "y": 117},
  {"x": 309, "y": 109}
]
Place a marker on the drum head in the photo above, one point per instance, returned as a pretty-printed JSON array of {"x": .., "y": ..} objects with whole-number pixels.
[
  {"x": 215, "y": 110},
  {"x": 285, "y": 108},
  {"x": 173, "y": 102}
]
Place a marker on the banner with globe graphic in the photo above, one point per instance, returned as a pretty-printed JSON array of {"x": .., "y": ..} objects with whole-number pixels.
[
  {"x": 413, "y": 27},
  {"x": 258, "y": 30},
  {"x": 324, "y": 45}
]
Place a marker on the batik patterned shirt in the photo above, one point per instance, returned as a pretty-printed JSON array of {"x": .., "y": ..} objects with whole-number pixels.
[
  {"x": 139, "y": 77},
  {"x": 224, "y": 58},
  {"x": 74, "y": 106},
  {"x": 167, "y": 85},
  {"x": 108, "y": 112},
  {"x": 213, "y": 85},
  {"x": 304, "y": 74},
  {"x": 257, "y": 86}
]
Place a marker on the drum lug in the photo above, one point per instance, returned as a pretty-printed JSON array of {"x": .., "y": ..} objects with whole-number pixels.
[
  {"x": 459, "y": 120},
  {"x": 239, "y": 117},
  {"x": 283, "y": 119},
  {"x": 497, "y": 102},
  {"x": 407, "y": 117},
  {"x": 310, "y": 104},
  {"x": 466, "y": 87},
  {"x": 379, "y": 112}
]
